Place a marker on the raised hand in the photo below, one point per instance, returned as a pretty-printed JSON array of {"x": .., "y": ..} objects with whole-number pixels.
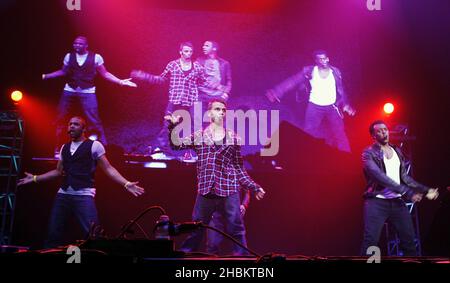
[
  {"x": 134, "y": 189},
  {"x": 172, "y": 119},
  {"x": 432, "y": 194}
]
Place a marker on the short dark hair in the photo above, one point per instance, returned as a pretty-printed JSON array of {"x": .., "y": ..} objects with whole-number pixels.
[
  {"x": 186, "y": 43},
  {"x": 216, "y": 100},
  {"x": 83, "y": 37},
  {"x": 319, "y": 52},
  {"x": 372, "y": 126},
  {"x": 83, "y": 121},
  {"x": 214, "y": 44}
]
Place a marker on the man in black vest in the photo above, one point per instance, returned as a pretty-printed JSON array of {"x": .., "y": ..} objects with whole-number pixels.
[
  {"x": 80, "y": 68},
  {"x": 77, "y": 164}
]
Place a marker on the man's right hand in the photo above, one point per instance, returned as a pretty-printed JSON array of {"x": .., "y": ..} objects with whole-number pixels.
[
  {"x": 172, "y": 119},
  {"x": 432, "y": 194},
  {"x": 271, "y": 95}
]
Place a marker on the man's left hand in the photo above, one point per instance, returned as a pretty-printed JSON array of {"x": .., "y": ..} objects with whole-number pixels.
[{"x": 260, "y": 194}]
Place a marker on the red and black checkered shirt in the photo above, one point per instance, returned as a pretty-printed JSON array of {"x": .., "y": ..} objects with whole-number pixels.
[
  {"x": 220, "y": 168},
  {"x": 183, "y": 86}
]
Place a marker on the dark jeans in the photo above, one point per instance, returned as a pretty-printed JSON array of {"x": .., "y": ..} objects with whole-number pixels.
[
  {"x": 324, "y": 122},
  {"x": 215, "y": 239},
  {"x": 89, "y": 105},
  {"x": 377, "y": 212},
  {"x": 204, "y": 208},
  {"x": 83, "y": 207}
]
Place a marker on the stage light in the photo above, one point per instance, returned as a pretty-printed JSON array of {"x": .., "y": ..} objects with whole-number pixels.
[
  {"x": 388, "y": 108},
  {"x": 16, "y": 95}
]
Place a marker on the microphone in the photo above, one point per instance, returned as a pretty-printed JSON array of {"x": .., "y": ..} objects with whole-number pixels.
[
  {"x": 165, "y": 228},
  {"x": 184, "y": 227}
]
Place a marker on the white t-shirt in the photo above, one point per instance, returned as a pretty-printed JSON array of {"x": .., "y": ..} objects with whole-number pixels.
[
  {"x": 98, "y": 60},
  {"x": 97, "y": 151},
  {"x": 392, "y": 171},
  {"x": 323, "y": 90}
]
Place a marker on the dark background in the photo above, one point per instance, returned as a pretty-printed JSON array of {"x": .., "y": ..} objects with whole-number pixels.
[{"x": 314, "y": 205}]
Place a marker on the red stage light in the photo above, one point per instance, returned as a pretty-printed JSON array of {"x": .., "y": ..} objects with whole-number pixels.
[
  {"x": 16, "y": 95},
  {"x": 388, "y": 108}
]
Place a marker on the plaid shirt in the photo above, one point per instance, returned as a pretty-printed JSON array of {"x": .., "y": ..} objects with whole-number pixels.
[
  {"x": 183, "y": 86},
  {"x": 220, "y": 168}
]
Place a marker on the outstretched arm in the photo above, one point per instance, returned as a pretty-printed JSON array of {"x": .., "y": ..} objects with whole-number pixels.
[
  {"x": 54, "y": 74},
  {"x": 58, "y": 73},
  {"x": 112, "y": 172},
  {"x": 276, "y": 93},
  {"x": 147, "y": 77},
  {"x": 29, "y": 178},
  {"x": 110, "y": 77}
]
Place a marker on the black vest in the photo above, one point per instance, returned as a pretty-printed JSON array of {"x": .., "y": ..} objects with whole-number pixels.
[
  {"x": 79, "y": 168},
  {"x": 81, "y": 76}
]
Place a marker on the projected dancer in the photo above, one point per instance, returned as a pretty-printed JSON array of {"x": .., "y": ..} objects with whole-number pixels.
[
  {"x": 185, "y": 77},
  {"x": 80, "y": 68},
  {"x": 387, "y": 181},
  {"x": 327, "y": 100},
  {"x": 77, "y": 164},
  {"x": 220, "y": 175},
  {"x": 218, "y": 76}
]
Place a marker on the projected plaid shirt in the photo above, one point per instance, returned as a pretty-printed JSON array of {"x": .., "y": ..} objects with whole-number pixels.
[
  {"x": 220, "y": 168},
  {"x": 183, "y": 86}
]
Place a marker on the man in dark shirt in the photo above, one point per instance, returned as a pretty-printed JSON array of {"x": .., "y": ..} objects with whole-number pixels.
[{"x": 387, "y": 181}]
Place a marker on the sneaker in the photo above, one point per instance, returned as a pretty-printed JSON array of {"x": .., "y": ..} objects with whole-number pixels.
[
  {"x": 188, "y": 158},
  {"x": 161, "y": 156},
  {"x": 155, "y": 150}
]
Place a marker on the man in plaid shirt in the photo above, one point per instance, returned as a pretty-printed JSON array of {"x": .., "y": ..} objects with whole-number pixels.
[
  {"x": 220, "y": 174},
  {"x": 185, "y": 77}
]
